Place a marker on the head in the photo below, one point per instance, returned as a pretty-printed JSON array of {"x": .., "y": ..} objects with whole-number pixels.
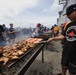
[
  {"x": 55, "y": 25},
  {"x": 71, "y": 12},
  {"x": 3, "y": 25},
  {"x": 38, "y": 25},
  {"x": 11, "y": 25},
  {"x": 42, "y": 25}
]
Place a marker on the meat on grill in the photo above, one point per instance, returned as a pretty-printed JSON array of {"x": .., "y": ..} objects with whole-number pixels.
[
  {"x": 4, "y": 60},
  {"x": 17, "y": 49}
]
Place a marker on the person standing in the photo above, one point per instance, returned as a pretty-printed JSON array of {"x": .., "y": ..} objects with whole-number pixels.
[
  {"x": 6, "y": 34},
  {"x": 52, "y": 31},
  {"x": 69, "y": 50},
  {"x": 2, "y": 34},
  {"x": 11, "y": 32},
  {"x": 56, "y": 30}
]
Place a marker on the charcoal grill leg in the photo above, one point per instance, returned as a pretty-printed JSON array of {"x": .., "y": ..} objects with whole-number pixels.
[
  {"x": 42, "y": 55},
  {"x": 46, "y": 46}
]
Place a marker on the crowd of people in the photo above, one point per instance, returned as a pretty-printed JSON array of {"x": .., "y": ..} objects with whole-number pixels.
[
  {"x": 41, "y": 29},
  {"x": 55, "y": 30},
  {"x": 8, "y": 35}
]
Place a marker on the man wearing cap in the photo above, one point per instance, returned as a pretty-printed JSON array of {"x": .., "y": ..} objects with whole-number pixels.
[{"x": 69, "y": 50}]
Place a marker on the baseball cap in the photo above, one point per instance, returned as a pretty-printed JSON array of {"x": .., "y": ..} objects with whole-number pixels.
[
  {"x": 70, "y": 9},
  {"x": 38, "y": 25}
]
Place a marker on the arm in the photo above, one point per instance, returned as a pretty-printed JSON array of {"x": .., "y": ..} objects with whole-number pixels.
[
  {"x": 56, "y": 38},
  {"x": 10, "y": 32},
  {"x": 3, "y": 31}
]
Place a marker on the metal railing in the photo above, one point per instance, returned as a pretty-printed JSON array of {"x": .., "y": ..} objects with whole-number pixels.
[{"x": 62, "y": 2}]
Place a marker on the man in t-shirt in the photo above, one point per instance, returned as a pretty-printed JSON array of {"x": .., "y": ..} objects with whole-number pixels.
[
  {"x": 69, "y": 50},
  {"x": 11, "y": 32}
]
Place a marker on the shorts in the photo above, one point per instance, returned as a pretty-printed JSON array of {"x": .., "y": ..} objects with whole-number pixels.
[
  {"x": 64, "y": 62},
  {"x": 72, "y": 69},
  {"x": 12, "y": 36},
  {"x": 65, "y": 56}
]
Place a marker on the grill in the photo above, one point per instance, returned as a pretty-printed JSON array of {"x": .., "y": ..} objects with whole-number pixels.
[
  {"x": 44, "y": 36},
  {"x": 21, "y": 65}
]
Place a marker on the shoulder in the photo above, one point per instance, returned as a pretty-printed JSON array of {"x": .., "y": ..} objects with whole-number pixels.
[
  {"x": 9, "y": 28},
  {"x": 66, "y": 25},
  {"x": 1, "y": 26},
  {"x": 71, "y": 24}
]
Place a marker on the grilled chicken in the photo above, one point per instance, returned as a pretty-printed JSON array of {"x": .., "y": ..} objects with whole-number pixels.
[
  {"x": 4, "y": 60},
  {"x": 14, "y": 57},
  {"x": 1, "y": 51},
  {"x": 17, "y": 49},
  {"x": 20, "y": 52},
  {"x": 15, "y": 54},
  {"x": 24, "y": 49}
]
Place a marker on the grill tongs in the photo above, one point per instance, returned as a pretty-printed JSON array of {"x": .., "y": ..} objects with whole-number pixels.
[{"x": 42, "y": 42}]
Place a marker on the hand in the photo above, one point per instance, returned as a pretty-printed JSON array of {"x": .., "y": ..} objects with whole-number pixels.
[
  {"x": 50, "y": 39},
  {"x": 14, "y": 31}
]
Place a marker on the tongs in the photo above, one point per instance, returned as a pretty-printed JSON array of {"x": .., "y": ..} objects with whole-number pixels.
[{"x": 42, "y": 42}]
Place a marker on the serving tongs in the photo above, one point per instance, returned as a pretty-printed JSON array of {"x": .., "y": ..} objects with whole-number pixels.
[{"x": 42, "y": 42}]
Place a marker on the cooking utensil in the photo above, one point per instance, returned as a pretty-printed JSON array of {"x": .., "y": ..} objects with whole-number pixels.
[{"x": 42, "y": 42}]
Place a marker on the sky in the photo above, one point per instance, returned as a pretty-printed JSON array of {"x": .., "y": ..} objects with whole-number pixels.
[{"x": 27, "y": 13}]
